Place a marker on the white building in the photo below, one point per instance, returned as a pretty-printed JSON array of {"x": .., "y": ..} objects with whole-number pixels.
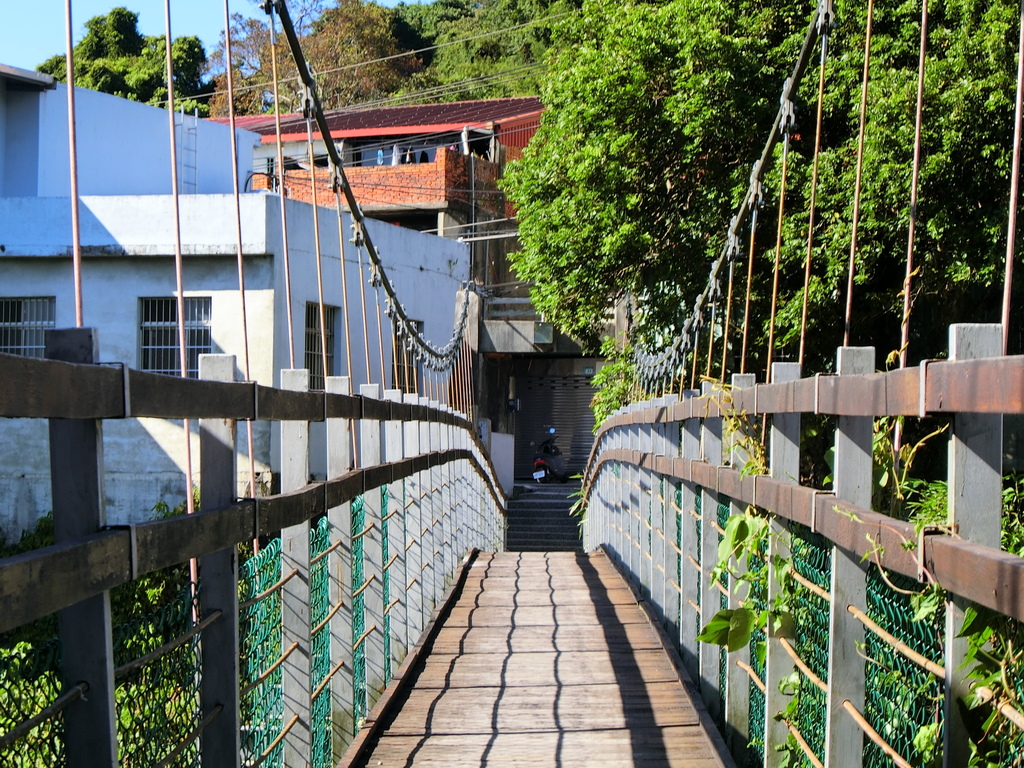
[{"x": 127, "y": 236}]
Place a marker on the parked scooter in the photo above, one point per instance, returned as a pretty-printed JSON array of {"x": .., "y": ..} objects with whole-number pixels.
[{"x": 549, "y": 464}]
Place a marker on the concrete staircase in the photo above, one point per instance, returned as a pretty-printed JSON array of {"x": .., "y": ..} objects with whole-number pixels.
[{"x": 539, "y": 519}]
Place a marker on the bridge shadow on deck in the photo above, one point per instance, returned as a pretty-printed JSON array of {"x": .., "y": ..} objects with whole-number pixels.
[{"x": 545, "y": 660}]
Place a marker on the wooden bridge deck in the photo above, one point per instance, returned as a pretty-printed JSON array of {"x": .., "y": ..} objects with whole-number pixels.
[{"x": 546, "y": 660}]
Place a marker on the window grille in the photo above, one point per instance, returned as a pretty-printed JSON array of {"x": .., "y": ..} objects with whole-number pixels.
[
  {"x": 158, "y": 342},
  {"x": 407, "y": 372},
  {"x": 23, "y": 324},
  {"x": 314, "y": 350}
]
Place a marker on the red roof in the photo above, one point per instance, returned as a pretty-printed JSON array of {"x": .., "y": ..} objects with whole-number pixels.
[{"x": 407, "y": 120}]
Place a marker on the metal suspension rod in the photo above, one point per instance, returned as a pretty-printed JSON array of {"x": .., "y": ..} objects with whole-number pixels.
[
  {"x": 380, "y": 338},
  {"x": 179, "y": 281},
  {"x": 907, "y": 280},
  {"x": 860, "y": 170},
  {"x": 750, "y": 282},
  {"x": 344, "y": 282},
  {"x": 281, "y": 191},
  {"x": 728, "y": 320},
  {"x": 240, "y": 258},
  {"x": 778, "y": 255},
  {"x": 316, "y": 252},
  {"x": 76, "y": 236},
  {"x": 1011, "y": 226},
  {"x": 814, "y": 198},
  {"x": 366, "y": 330}
]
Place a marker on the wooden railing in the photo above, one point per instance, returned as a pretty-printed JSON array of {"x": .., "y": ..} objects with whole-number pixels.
[
  {"x": 665, "y": 479},
  {"x": 444, "y": 501}
]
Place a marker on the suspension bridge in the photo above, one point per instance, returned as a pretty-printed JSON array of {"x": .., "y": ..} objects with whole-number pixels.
[{"x": 374, "y": 617}]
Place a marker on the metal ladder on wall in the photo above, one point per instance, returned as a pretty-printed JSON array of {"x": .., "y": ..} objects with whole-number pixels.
[{"x": 188, "y": 164}]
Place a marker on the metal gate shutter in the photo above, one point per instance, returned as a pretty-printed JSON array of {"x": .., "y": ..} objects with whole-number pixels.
[{"x": 561, "y": 402}]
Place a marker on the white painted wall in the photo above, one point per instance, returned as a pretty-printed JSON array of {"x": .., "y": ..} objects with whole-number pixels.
[
  {"x": 128, "y": 246},
  {"x": 123, "y": 146}
]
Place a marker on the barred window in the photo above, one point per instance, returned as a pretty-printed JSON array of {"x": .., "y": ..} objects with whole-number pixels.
[
  {"x": 158, "y": 338},
  {"x": 23, "y": 324},
  {"x": 407, "y": 371},
  {"x": 314, "y": 350}
]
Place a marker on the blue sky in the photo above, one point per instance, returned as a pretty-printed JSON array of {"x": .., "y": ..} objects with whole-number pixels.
[{"x": 33, "y": 30}]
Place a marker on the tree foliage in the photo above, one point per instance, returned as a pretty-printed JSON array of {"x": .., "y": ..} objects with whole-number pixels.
[
  {"x": 351, "y": 47},
  {"x": 114, "y": 57},
  {"x": 656, "y": 112}
]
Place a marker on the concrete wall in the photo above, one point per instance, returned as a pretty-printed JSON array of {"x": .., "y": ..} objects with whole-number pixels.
[
  {"x": 128, "y": 244},
  {"x": 123, "y": 147}
]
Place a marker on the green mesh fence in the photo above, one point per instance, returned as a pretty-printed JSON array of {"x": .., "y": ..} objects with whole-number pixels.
[
  {"x": 358, "y": 611},
  {"x": 812, "y": 559},
  {"x": 259, "y": 627},
  {"x": 321, "y": 753},
  {"x": 901, "y": 698},
  {"x": 158, "y": 703},
  {"x": 757, "y": 601},
  {"x": 385, "y": 558},
  {"x": 29, "y": 682}
]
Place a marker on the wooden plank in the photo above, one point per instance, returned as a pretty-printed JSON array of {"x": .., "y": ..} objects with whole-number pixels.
[
  {"x": 162, "y": 543},
  {"x": 283, "y": 405},
  {"x": 289, "y": 508},
  {"x": 51, "y": 389},
  {"x": 992, "y": 385},
  {"x": 172, "y": 397},
  {"x": 38, "y": 583},
  {"x": 517, "y": 694}
]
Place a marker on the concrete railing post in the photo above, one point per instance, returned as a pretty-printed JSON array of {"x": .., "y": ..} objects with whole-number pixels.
[
  {"x": 784, "y": 465},
  {"x": 76, "y": 472},
  {"x": 710, "y": 603},
  {"x": 373, "y": 549},
  {"x": 690, "y": 617},
  {"x": 339, "y": 461},
  {"x": 737, "y": 702},
  {"x": 295, "y": 626},
  {"x": 673, "y": 561},
  {"x": 394, "y": 451},
  {"x": 975, "y": 487},
  {"x": 221, "y": 743},
  {"x": 416, "y": 612},
  {"x": 853, "y": 467}
]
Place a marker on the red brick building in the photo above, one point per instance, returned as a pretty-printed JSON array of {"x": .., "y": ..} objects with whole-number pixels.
[{"x": 427, "y": 167}]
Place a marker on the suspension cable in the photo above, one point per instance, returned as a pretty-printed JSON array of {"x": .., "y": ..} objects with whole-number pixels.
[
  {"x": 725, "y": 324},
  {"x": 1011, "y": 226},
  {"x": 860, "y": 170},
  {"x": 238, "y": 241},
  {"x": 907, "y": 280},
  {"x": 76, "y": 236}
]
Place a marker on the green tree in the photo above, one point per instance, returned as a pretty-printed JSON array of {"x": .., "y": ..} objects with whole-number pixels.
[
  {"x": 351, "y": 47},
  {"x": 114, "y": 57},
  {"x": 507, "y": 63},
  {"x": 656, "y": 112}
]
